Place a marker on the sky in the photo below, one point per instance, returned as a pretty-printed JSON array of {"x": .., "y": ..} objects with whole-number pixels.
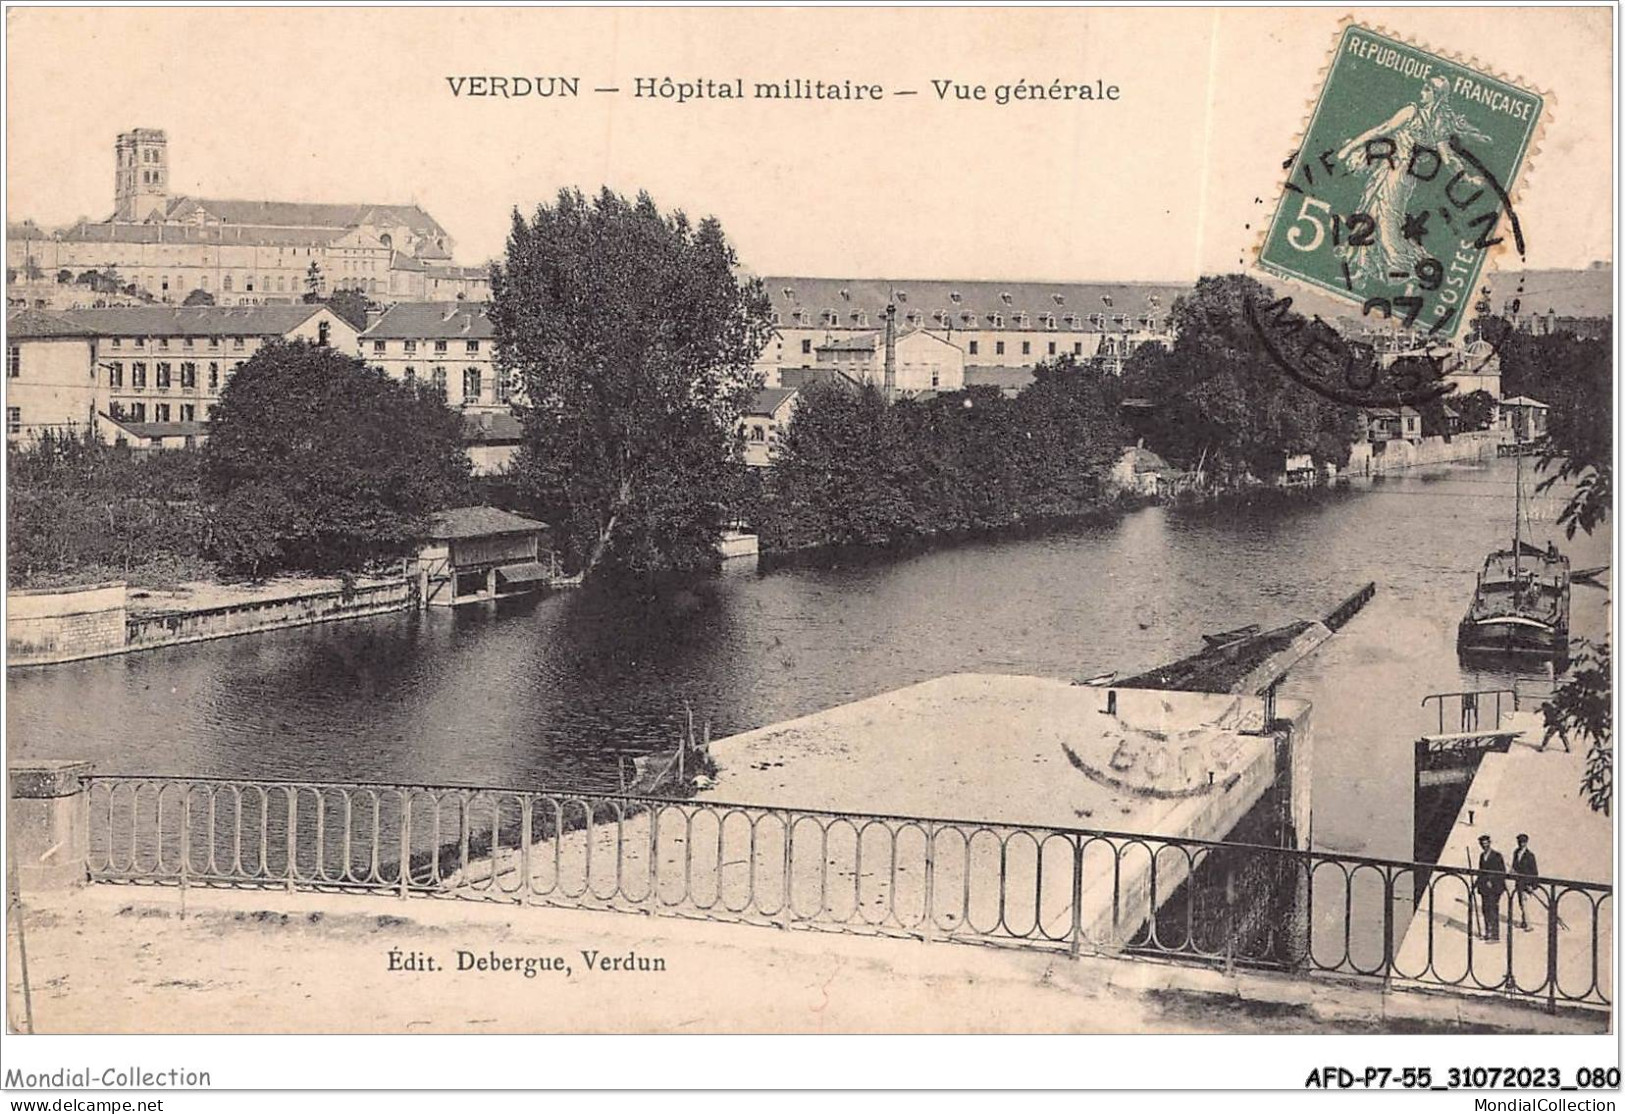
[{"x": 1172, "y": 179}]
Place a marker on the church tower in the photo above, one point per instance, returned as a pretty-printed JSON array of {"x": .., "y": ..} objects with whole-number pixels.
[{"x": 141, "y": 183}]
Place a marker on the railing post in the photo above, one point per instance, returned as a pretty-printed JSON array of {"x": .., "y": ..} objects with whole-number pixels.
[
  {"x": 186, "y": 843},
  {"x": 1387, "y": 924},
  {"x": 1229, "y": 912},
  {"x": 927, "y": 929},
  {"x": 406, "y": 845},
  {"x": 786, "y": 914},
  {"x": 1076, "y": 946},
  {"x": 654, "y": 858},
  {"x": 293, "y": 835},
  {"x": 49, "y": 817},
  {"x": 1551, "y": 952},
  {"x": 527, "y": 832}
]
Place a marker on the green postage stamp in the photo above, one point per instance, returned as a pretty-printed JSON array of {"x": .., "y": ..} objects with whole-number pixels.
[{"x": 1402, "y": 185}]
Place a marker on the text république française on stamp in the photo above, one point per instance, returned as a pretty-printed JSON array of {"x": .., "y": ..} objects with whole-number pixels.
[{"x": 1402, "y": 184}]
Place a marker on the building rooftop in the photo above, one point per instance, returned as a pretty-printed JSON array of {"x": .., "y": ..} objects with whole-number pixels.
[
  {"x": 306, "y": 214},
  {"x": 1579, "y": 293},
  {"x": 1143, "y": 459},
  {"x": 488, "y": 428},
  {"x": 1525, "y": 400},
  {"x": 478, "y": 522},
  {"x": 155, "y": 321},
  {"x": 767, "y": 401},
  {"x": 866, "y": 343},
  {"x": 432, "y": 320},
  {"x": 34, "y": 324},
  {"x": 797, "y": 377},
  {"x": 147, "y": 430},
  {"x": 121, "y": 232},
  {"x": 1004, "y": 378}
]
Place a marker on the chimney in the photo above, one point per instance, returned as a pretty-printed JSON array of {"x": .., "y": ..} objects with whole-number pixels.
[{"x": 890, "y": 380}]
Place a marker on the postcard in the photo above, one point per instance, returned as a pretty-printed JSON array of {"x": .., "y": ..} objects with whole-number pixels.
[{"x": 801, "y": 521}]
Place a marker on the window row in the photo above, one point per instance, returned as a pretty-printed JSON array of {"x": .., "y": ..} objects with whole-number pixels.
[
  {"x": 162, "y": 343},
  {"x": 163, "y": 374},
  {"x": 974, "y": 348},
  {"x": 161, "y": 412},
  {"x": 410, "y": 347},
  {"x": 966, "y": 319},
  {"x": 473, "y": 381}
]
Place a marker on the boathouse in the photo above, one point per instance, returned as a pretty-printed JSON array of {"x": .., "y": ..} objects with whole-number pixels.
[{"x": 475, "y": 554}]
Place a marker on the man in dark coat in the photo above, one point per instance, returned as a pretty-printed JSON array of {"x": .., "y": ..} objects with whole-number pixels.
[
  {"x": 1524, "y": 867},
  {"x": 1491, "y": 884}
]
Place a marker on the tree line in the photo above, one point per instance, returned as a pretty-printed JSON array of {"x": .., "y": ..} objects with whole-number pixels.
[
  {"x": 314, "y": 463},
  {"x": 852, "y": 469}
]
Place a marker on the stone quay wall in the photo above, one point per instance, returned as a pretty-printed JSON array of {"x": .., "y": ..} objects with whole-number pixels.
[
  {"x": 1397, "y": 455},
  {"x": 46, "y": 627},
  {"x": 260, "y": 615}
]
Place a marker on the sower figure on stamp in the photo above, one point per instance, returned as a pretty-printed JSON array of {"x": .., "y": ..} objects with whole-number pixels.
[
  {"x": 1491, "y": 884},
  {"x": 1385, "y": 154},
  {"x": 1524, "y": 867}
]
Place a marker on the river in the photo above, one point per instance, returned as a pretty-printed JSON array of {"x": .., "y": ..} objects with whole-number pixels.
[{"x": 552, "y": 692}]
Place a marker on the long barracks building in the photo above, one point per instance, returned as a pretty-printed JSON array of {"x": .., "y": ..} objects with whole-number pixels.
[{"x": 1005, "y": 329}]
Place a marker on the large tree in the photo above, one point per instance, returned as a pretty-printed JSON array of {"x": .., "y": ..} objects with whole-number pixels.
[
  {"x": 317, "y": 462},
  {"x": 1575, "y": 377},
  {"x": 1218, "y": 395},
  {"x": 634, "y": 338}
]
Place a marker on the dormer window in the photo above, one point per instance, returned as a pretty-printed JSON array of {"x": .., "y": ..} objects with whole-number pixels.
[
  {"x": 1098, "y": 320},
  {"x": 859, "y": 318},
  {"x": 1049, "y": 321},
  {"x": 1020, "y": 320},
  {"x": 996, "y": 320},
  {"x": 954, "y": 297},
  {"x": 772, "y": 317},
  {"x": 831, "y": 317},
  {"x": 902, "y": 295},
  {"x": 1006, "y": 298},
  {"x": 1060, "y": 299},
  {"x": 846, "y": 295},
  {"x": 789, "y": 292}
]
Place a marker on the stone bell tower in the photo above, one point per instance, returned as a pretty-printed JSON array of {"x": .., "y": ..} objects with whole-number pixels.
[{"x": 141, "y": 174}]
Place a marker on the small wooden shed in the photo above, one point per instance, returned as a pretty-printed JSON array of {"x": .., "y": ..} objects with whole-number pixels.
[{"x": 476, "y": 554}]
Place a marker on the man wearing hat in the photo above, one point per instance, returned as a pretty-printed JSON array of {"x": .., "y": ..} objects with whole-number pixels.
[
  {"x": 1525, "y": 867},
  {"x": 1491, "y": 884}
]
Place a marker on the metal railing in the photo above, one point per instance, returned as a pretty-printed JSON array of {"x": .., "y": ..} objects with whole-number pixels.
[
  {"x": 1467, "y": 704},
  {"x": 1075, "y": 890}
]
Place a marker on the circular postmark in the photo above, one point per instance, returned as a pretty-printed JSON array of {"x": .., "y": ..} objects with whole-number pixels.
[{"x": 1397, "y": 361}]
